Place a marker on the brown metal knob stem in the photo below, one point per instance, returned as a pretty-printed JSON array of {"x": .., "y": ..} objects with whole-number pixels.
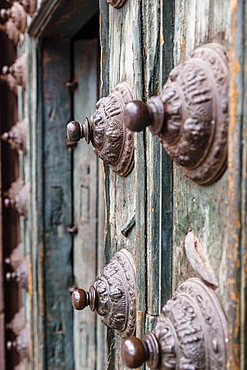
[
  {"x": 76, "y": 131},
  {"x": 82, "y": 299},
  {"x": 134, "y": 353}
]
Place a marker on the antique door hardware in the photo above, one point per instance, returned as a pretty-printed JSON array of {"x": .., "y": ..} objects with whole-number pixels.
[
  {"x": 17, "y": 324},
  {"x": 17, "y": 71},
  {"x": 17, "y": 14},
  {"x": 116, "y": 3},
  {"x": 28, "y": 5},
  {"x": 15, "y": 257},
  {"x": 21, "y": 344},
  {"x": 20, "y": 275},
  {"x": 11, "y": 31},
  {"x": 18, "y": 197},
  {"x": 112, "y": 295},
  {"x": 190, "y": 116},
  {"x": 17, "y": 136},
  {"x": 191, "y": 333},
  {"x": 112, "y": 141}
]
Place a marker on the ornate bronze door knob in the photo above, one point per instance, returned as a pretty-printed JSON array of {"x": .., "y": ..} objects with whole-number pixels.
[
  {"x": 11, "y": 31},
  {"x": 112, "y": 295},
  {"x": 17, "y": 14},
  {"x": 28, "y": 5},
  {"x": 17, "y": 71},
  {"x": 112, "y": 141},
  {"x": 15, "y": 257},
  {"x": 17, "y": 136},
  {"x": 18, "y": 197},
  {"x": 116, "y": 3},
  {"x": 190, "y": 116},
  {"x": 20, "y": 275},
  {"x": 17, "y": 324},
  {"x": 21, "y": 344},
  {"x": 191, "y": 333}
]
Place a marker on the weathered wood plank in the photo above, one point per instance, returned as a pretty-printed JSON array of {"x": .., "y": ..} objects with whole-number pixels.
[
  {"x": 85, "y": 184},
  {"x": 236, "y": 252},
  {"x": 57, "y": 207},
  {"x": 203, "y": 209},
  {"x": 124, "y": 38}
]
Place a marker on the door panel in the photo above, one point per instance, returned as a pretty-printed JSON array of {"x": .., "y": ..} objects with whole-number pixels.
[
  {"x": 202, "y": 209},
  {"x": 88, "y": 209},
  {"x": 144, "y": 41},
  {"x": 58, "y": 316}
]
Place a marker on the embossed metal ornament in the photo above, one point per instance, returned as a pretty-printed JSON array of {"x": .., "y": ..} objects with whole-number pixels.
[
  {"x": 18, "y": 197},
  {"x": 18, "y": 70},
  {"x": 17, "y": 136},
  {"x": 21, "y": 344},
  {"x": 116, "y": 3},
  {"x": 15, "y": 257},
  {"x": 11, "y": 31},
  {"x": 190, "y": 116},
  {"x": 191, "y": 333},
  {"x": 17, "y": 324},
  {"x": 112, "y": 141},
  {"x": 112, "y": 295},
  {"x": 28, "y": 5},
  {"x": 20, "y": 275},
  {"x": 17, "y": 14}
]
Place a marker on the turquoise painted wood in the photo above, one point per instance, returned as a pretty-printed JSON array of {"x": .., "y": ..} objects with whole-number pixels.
[
  {"x": 58, "y": 272},
  {"x": 89, "y": 333}
]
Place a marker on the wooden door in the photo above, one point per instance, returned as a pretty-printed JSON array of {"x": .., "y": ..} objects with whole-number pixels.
[
  {"x": 141, "y": 43},
  {"x": 88, "y": 199}
]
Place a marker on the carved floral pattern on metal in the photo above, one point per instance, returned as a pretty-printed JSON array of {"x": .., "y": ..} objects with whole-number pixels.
[
  {"x": 17, "y": 136},
  {"x": 190, "y": 116},
  {"x": 116, "y": 3},
  {"x": 191, "y": 333},
  {"x": 113, "y": 295},
  {"x": 112, "y": 141}
]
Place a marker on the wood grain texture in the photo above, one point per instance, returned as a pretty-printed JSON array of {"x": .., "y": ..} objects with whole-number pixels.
[
  {"x": 125, "y": 64},
  {"x": 202, "y": 209},
  {"x": 57, "y": 208},
  {"x": 236, "y": 252},
  {"x": 88, "y": 210}
]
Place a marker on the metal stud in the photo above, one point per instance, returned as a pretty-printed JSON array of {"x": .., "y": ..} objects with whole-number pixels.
[
  {"x": 190, "y": 116},
  {"x": 112, "y": 295},
  {"x": 112, "y": 141},
  {"x": 17, "y": 136},
  {"x": 191, "y": 333}
]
